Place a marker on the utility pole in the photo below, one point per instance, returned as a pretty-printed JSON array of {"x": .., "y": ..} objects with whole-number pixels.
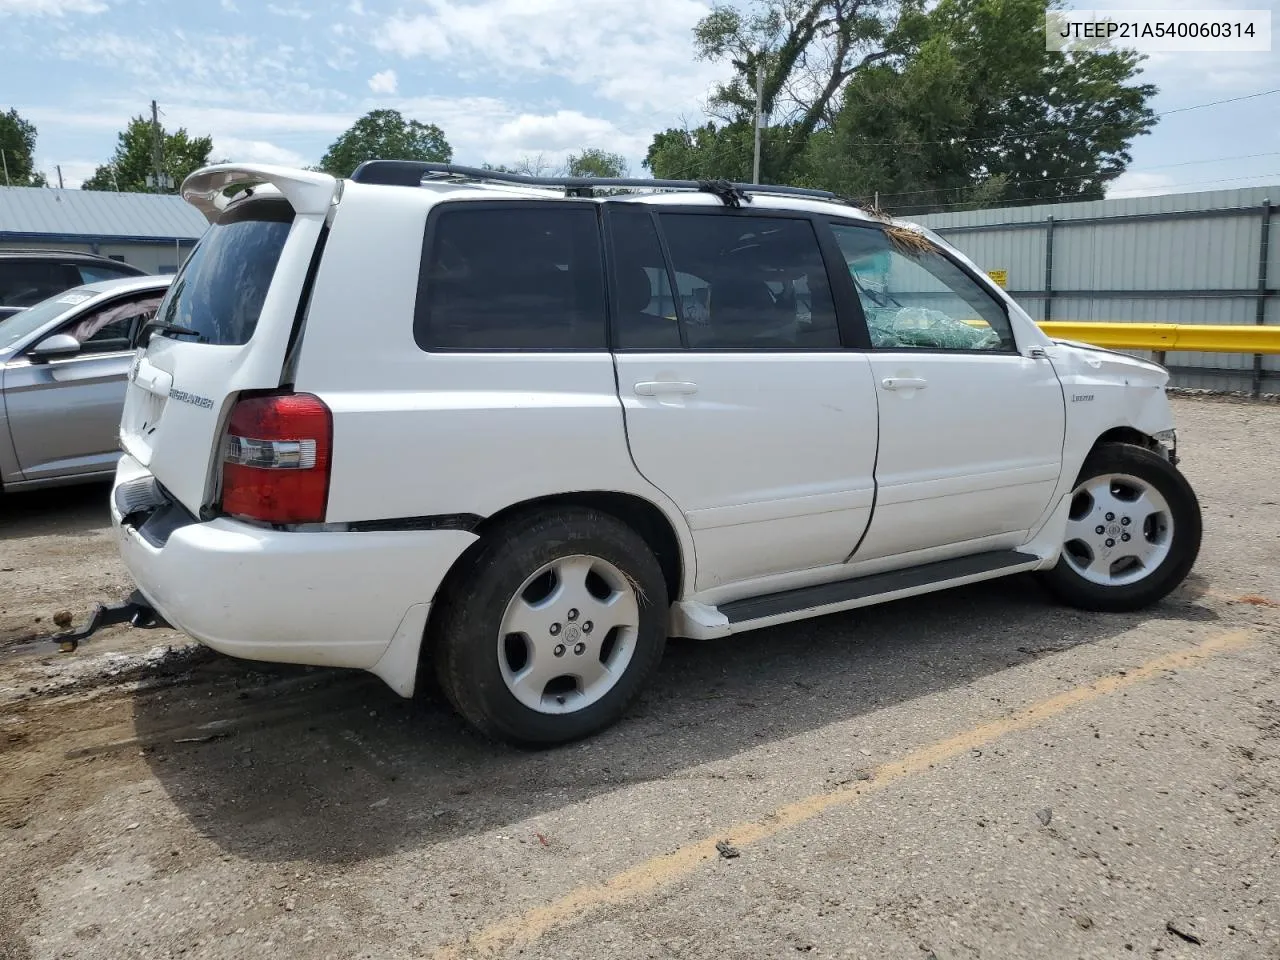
[
  {"x": 755, "y": 162},
  {"x": 4, "y": 161},
  {"x": 157, "y": 156},
  {"x": 58, "y": 167}
]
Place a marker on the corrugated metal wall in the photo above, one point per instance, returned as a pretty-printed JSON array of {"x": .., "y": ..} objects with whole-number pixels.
[{"x": 1178, "y": 258}]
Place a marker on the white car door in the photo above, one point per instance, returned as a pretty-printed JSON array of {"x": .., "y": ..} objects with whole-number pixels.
[
  {"x": 971, "y": 429},
  {"x": 741, "y": 403}
]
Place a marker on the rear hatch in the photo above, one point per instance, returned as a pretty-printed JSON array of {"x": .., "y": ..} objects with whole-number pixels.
[{"x": 226, "y": 323}]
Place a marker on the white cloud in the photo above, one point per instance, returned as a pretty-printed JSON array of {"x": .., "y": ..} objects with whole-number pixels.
[
  {"x": 478, "y": 128},
  {"x": 199, "y": 120},
  {"x": 74, "y": 172},
  {"x": 489, "y": 129},
  {"x": 293, "y": 12},
  {"x": 230, "y": 6},
  {"x": 51, "y": 8},
  {"x": 343, "y": 58},
  {"x": 1138, "y": 184},
  {"x": 255, "y": 151},
  {"x": 647, "y": 63},
  {"x": 384, "y": 82},
  {"x": 216, "y": 69}
]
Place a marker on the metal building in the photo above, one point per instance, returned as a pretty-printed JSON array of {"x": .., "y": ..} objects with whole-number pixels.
[
  {"x": 1211, "y": 257},
  {"x": 154, "y": 232}
]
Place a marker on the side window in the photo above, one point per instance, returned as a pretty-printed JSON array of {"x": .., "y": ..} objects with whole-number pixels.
[
  {"x": 25, "y": 283},
  {"x": 915, "y": 298},
  {"x": 645, "y": 311},
  {"x": 526, "y": 276},
  {"x": 750, "y": 282},
  {"x": 92, "y": 273},
  {"x": 112, "y": 327}
]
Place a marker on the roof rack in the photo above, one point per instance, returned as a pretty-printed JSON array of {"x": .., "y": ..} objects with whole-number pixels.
[{"x": 412, "y": 173}]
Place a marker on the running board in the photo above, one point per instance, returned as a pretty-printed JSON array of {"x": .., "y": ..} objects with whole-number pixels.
[{"x": 789, "y": 603}]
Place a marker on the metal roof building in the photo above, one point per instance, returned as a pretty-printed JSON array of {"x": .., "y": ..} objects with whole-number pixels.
[{"x": 154, "y": 232}]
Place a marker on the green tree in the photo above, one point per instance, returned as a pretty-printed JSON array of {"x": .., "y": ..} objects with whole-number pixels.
[
  {"x": 959, "y": 105},
  {"x": 807, "y": 51},
  {"x": 981, "y": 112},
  {"x": 594, "y": 162},
  {"x": 128, "y": 169},
  {"x": 385, "y": 135},
  {"x": 18, "y": 141}
]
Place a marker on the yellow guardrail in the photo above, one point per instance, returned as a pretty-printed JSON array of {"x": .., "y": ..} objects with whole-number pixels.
[{"x": 1202, "y": 337}]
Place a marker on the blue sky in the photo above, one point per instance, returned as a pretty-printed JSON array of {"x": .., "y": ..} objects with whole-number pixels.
[{"x": 277, "y": 80}]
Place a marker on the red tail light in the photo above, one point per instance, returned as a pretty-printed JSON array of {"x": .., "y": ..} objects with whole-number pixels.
[{"x": 275, "y": 460}]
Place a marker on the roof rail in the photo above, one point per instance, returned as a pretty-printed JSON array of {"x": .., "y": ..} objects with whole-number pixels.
[{"x": 412, "y": 173}]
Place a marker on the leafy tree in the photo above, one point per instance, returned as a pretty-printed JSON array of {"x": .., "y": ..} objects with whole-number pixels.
[
  {"x": 808, "y": 50},
  {"x": 957, "y": 105},
  {"x": 983, "y": 113},
  {"x": 18, "y": 141},
  {"x": 128, "y": 169},
  {"x": 594, "y": 162},
  {"x": 385, "y": 135}
]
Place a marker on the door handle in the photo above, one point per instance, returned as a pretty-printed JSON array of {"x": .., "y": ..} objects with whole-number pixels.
[
  {"x": 904, "y": 383},
  {"x": 652, "y": 388}
]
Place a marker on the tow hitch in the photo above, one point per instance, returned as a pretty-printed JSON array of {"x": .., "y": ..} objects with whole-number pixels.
[{"x": 135, "y": 611}]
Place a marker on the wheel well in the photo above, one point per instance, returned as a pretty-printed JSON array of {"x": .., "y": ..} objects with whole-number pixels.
[
  {"x": 1127, "y": 435},
  {"x": 639, "y": 514}
]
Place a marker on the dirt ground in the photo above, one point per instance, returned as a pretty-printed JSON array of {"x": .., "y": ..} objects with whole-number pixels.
[{"x": 980, "y": 773}]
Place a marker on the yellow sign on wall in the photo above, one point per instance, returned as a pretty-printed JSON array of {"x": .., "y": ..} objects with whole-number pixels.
[{"x": 1001, "y": 277}]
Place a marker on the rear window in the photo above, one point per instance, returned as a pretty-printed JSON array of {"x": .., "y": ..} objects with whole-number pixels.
[
  {"x": 219, "y": 291},
  {"x": 521, "y": 276},
  {"x": 92, "y": 273},
  {"x": 24, "y": 283}
]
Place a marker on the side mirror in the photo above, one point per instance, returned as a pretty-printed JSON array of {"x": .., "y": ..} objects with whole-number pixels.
[{"x": 58, "y": 345}]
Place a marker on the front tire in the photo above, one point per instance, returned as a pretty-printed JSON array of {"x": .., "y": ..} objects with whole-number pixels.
[
  {"x": 1132, "y": 535},
  {"x": 553, "y": 627}
]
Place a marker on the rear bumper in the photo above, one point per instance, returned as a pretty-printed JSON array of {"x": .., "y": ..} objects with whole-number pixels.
[{"x": 334, "y": 599}]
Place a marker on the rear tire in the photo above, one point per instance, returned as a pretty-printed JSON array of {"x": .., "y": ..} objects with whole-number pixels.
[
  {"x": 1133, "y": 533},
  {"x": 552, "y": 628}
]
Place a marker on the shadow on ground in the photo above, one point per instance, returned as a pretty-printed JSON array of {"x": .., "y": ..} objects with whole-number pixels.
[
  {"x": 303, "y": 760},
  {"x": 82, "y": 509}
]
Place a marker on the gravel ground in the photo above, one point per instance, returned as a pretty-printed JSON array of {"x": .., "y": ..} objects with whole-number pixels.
[{"x": 983, "y": 774}]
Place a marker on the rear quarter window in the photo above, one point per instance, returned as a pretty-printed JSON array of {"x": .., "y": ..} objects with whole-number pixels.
[
  {"x": 24, "y": 283},
  {"x": 220, "y": 289},
  {"x": 512, "y": 276}
]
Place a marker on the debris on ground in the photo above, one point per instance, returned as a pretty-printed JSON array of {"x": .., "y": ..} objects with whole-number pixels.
[
  {"x": 1044, "y": 816},
  {"x": 205, "y": 739},
  {"x": 1255, "y": 600},
  {"x": 1184, "y": 928},
  {"x": 727, "y": 850}
]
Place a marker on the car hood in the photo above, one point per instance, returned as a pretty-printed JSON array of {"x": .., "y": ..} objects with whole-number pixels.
[{"x": 1101, "y": 363}]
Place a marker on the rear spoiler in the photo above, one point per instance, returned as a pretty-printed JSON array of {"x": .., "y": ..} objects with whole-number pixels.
[{"x": 307, "y": 191}]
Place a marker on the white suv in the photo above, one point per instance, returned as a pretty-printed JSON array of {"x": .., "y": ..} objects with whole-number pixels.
[{"x": 517, "y": 433}]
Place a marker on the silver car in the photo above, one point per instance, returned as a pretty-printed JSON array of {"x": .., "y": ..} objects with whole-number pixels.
[{"x": 64, "y": 363}]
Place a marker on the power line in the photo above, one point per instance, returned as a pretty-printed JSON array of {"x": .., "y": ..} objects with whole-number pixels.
[
  {"x": 1218, "y": 103},
  {"x": 1029, "y": 135},
  {"x": 1059, "y": 197},
  {"x": 1078, "y": 176},
  {"x": 1033, "y": 135}
]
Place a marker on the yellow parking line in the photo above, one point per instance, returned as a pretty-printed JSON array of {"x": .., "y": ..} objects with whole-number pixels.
[{"x": 661, "y": 871}]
